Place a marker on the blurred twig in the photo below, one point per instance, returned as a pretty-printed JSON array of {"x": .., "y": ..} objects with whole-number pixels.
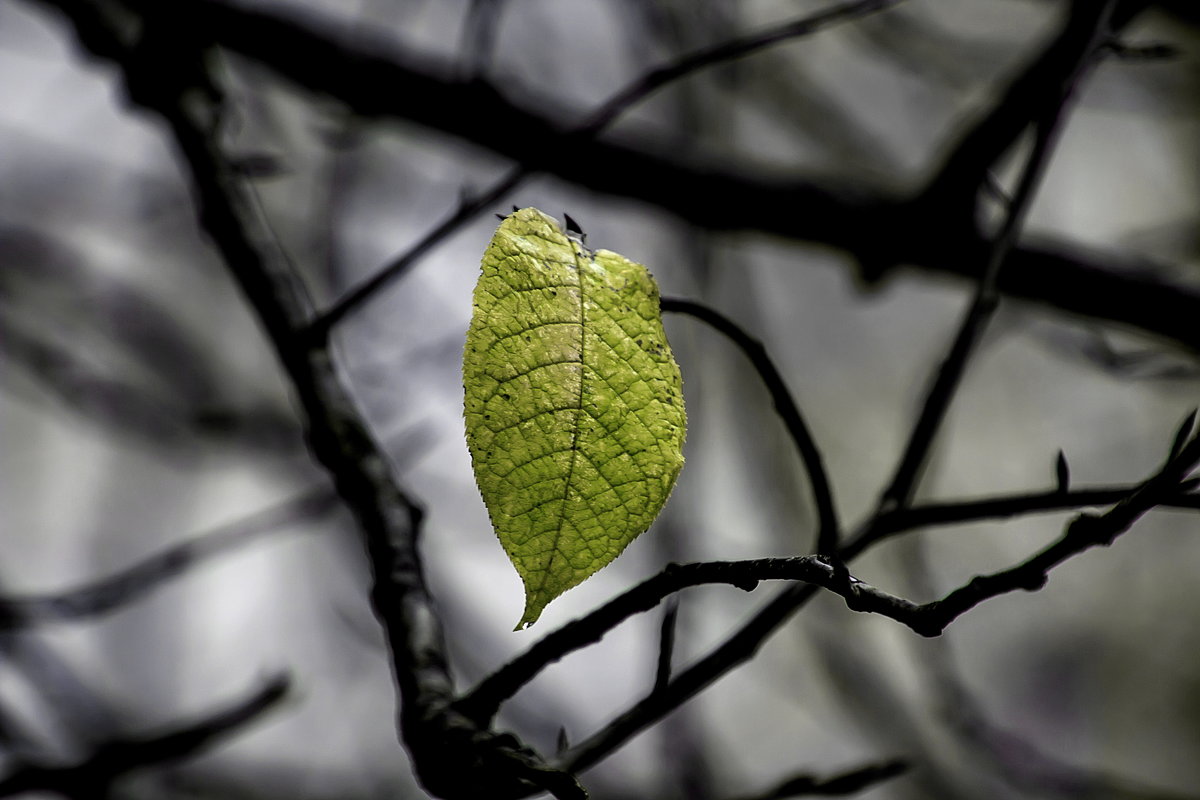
[
  {"x": 847, "y": 783},
  {"x": 592, "y": 124},
  {"x": 93, "y": 778},
  {"x": 789, "y": 412},
  {"x": 164, "y": 70},
  {"x": 1073, "y": 51},
  {"x": 479, "y": 36},
  {"x": 133, "y": 583},
  {"x": 880, "y": 229}
]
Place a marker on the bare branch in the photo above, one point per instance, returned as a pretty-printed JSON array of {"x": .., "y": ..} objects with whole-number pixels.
[
  {"x": 131, "y": 584},
  {"x": 1075, "y": 47},
  {"x": 1035, "y": 93},
  {"x": 722, "y": 53},
  {"x": 452, "y": 758},
  {"x": 789, "y": 412},
  {"x": 847, "y": 783},
  {"x": 595, "y": 122},
  {"x": 1084, "y": 532},
  {"x": 881, "y": 230},
  {"x": 93, "y": 778}
]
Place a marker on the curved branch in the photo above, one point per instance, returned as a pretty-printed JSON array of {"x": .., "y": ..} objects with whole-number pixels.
[
  {"x": 165, "y": 72},
  {"x": 789, "y": 412}
]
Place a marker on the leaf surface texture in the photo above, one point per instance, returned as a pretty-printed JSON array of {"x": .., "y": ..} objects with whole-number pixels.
[{"x": 573, "y": 403}]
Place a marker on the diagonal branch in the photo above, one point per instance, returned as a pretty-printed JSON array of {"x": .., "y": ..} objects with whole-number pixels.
[
  {"x": 1076, "y": 47},
  {"x": 164, "y": 71},
  {"x": 1166, "y": 489},
  {"x": 133, "y": 583},
  {"x": 93, "y": 778},
  {"x": 1035, "y": 93},
  {"x": 1171, "y": 482},
  {"x": 593, "y": 123},
  {"x": 846, "y": 783}
]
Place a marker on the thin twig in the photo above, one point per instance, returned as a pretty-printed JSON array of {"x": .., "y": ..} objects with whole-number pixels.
[
  {"x": 929, "y": 515},
  {"x": 888, "y": 229},
  {"x": 722, "y": 53},
  {"x": 929, "y": 619},
  {"x": 134, "y": 582},
  {"x": 164, "y": 71},
  {"x": 593, "y": 123},
  {"x": 1085, "y": 31},
  {"x": 846, "y": 783},
  {"x": 93, "y": 777},
  {"x": 318, "y": 333},
  {"x": 789, "y": 412}
]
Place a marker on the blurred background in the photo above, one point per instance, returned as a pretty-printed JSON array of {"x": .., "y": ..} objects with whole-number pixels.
[{"x": 141, "y": 409}]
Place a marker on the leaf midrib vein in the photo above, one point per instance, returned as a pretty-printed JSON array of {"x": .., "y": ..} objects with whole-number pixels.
[{"x": 554, "y": 549}]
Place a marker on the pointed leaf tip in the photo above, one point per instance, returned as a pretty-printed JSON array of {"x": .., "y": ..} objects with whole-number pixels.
[{"x": 573, "y": 403}]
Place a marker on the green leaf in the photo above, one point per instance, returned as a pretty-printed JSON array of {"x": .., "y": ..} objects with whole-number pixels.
[{"x": 574, "y": 409}]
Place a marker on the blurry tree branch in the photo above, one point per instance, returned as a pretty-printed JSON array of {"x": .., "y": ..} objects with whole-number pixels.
[
  {"x": 162, "y": 59},
  {"x": 882, "y": 230},
  {"x": 847, "y": 783},
  {"x": 789, "y": 412},
  {"x": 162, "y": 54},
  {"x": 93, "y": 778},
  {"x": 132, "y": 583},
  {"x": 592, "y": 124},
  {"x": 1067, "y": 59}
]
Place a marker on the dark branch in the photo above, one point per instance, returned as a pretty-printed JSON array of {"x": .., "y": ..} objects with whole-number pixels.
[
  {"x": 165, "y": 72},
  {"x": 882, "y": 231},
  {"x": 666, "y": 645},
  {"x": 135, "y": 582},
  {"x": 483, "y": 701},
  {"x": 1035, "y": 93},
  {"x": 1074, "y": 49},
  {"x": 1169, "y": 485},
  {"x": 93, "y": 778},
  {"x": 847, "y": 783},
  {"x": 723, "y": 53},
  {"x": 929, "y": 515},
  {"x": 789, "y": 412},
  {"x": 594, "y": 123}
]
